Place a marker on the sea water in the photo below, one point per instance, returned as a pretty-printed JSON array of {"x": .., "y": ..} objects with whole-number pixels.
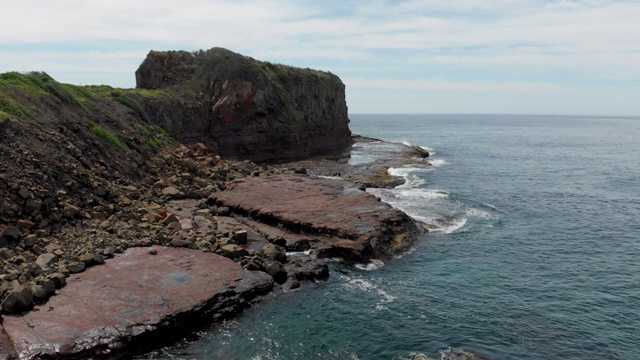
[{"x": 533, "y": 252}]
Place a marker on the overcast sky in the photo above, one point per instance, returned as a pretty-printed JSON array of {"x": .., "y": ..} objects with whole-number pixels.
[{"x": 429, "y": 56}]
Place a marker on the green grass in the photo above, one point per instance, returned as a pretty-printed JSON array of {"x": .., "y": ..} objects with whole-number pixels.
[
  {"x": 146, "y": 132},
  {"x": 129, "y": 102},
  {"x": 166, "y": 134},
  {"x": 39, "y": 83},
  {"x": 103, "y": 133},
  {"x": 12, "y": 107}
]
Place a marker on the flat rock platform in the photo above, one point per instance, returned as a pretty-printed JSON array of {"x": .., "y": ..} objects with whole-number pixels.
[{"x": 137, "y": 300}]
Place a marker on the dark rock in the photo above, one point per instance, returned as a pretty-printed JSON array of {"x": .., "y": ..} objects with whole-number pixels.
[
  {"x": 59, "y": 280},
  {"x": 276, "y": 270},
  {"x": 274, "y": 252},
  {"x": 233, "y": 251},
  {"x": 252, "y": 110},
  {"x": 240, "y": 236},
  {"x": 76, "y": 267},
  {"x": 303, "y": 267},
  {"x": 12, "y": 233},
  {"x": 17, "y": 299}
]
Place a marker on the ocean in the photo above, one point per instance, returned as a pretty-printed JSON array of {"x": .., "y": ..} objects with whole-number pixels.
[{"x": 533, "y": 252}]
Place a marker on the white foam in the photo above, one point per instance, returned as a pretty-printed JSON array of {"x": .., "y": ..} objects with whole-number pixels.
[
  {"x": 330, "y": 177},
  {"x": 293, "y": 253},
  {"x": 437, "y": 162},
  {"x": 373, "y": 265},
  {"x": 367, "y": 286},
  {"x": 410, "y": 251},
  {"x": 478, "y": 213},
  {"x": 430, "y": 150}
]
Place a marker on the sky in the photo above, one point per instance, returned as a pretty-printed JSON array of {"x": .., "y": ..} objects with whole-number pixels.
[{"x": 579, "y": 57}]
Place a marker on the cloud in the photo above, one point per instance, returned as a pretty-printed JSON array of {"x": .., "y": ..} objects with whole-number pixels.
[
  {"x": 377, "y": 44},
  {"x": 441, "y": 85}
]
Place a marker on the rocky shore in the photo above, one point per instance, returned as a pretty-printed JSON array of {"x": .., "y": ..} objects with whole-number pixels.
[{"x": 115, "y": 237}]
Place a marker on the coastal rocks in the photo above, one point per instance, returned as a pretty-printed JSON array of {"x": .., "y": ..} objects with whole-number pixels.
[
  {"x": 135, "y": 299},
  {"x": 243, "y": 108},
  {"x": 342, "y": 220}
]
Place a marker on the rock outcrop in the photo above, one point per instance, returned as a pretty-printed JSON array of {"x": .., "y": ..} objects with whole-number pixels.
[
  {"x": 337, "y": 218},
  {"x": 135, "y": 300},
  {"x": 244, "y": 108}
]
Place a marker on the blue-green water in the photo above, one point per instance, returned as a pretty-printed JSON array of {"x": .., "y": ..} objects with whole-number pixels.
[{"x": 536, "y": 253}]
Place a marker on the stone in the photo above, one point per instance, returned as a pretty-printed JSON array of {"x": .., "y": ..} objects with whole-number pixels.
[
  {"x": 275, "y": 253},
  {"x": 46, "y": 260},
  {"x": 33, "y": 205},
  {"x": 52, "y": 247},
  {"x": 71, "y": 210},
  {"x": 98, "y": 259},
  {"x": 34, "y": 269},
  {"x": 48, "y": 285},
  {"x": 17, "y": 299},
  {"x": 38, "y": 293},
  {"x": 223, "y": 211},
  {"x": 26, "y": 224},
  {"x": 59, "y": 280},
  {"x": 276, "y": 270},
  {"x": 30, "y": 240},
  {"x": 240, "y": 236},
  {"x": 24, "y": 192},
  {"x": 297, "y": 245},
  {"x": 171, "y": 218},
  {"x": 233, "y": 251},
  {"x": 75, "y": 267},
  {"x": 179, "y": 243},
  {"x": 87, "y": 259},
  {"x": 170, "y": 190},
  {"x": 190, "y": 164},
  {"x": 12, "y": 233},
  {"x": 153, "y": 216}
]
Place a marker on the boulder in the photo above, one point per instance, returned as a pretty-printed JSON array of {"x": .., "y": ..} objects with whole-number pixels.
[
  {"x": 46, "y": 260},
  {"x": 17, "y": 299},
  {"x": 233, "y": 251},
  {"x": 11, "y": 233}
]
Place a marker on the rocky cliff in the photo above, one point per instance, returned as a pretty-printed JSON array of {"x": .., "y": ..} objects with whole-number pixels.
[{"x": 244, "y": 108}]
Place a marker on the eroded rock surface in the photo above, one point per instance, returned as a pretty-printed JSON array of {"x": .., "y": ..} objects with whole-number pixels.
[
  {"x": 132, "y": 301},
  {"x": 342, "y": 220},
  {"x": 244, "y": 108}
]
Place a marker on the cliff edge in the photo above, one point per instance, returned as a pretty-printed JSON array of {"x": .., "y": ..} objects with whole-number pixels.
[{"x": 244, "y": 108}]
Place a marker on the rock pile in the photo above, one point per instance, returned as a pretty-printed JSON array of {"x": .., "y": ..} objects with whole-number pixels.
[{"x": 54, "y": 233}]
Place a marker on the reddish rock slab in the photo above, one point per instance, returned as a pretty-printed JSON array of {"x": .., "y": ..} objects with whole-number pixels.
[
  {"x": 132, "y": 302},
  {"x": 351, "y": 223}
]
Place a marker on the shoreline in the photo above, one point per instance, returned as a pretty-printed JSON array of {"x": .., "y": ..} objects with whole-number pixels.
[{"x": 285, "y": 276}]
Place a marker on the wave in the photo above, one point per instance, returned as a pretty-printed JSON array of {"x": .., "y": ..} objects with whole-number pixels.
[
  {"x": 367, "y": 286},
  {"x": 437, "y": 162},
  {"x": 373, "y": 265}
]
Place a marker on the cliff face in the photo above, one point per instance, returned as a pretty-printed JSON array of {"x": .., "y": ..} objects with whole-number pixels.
[{"x": 243, "y": 108}]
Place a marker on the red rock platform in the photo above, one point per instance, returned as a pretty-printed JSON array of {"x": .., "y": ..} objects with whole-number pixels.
[
  {"x": 132, "y": 302},
  {"x": 347, "y": 222}
]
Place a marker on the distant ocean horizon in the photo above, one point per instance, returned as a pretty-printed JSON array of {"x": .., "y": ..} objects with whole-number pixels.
[{"x": 533, "y": 252}]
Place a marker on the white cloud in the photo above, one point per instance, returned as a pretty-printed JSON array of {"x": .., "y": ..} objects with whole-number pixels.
[
  {"x": 441, "y": 85},
  {"x": 595, "y": 40}
]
